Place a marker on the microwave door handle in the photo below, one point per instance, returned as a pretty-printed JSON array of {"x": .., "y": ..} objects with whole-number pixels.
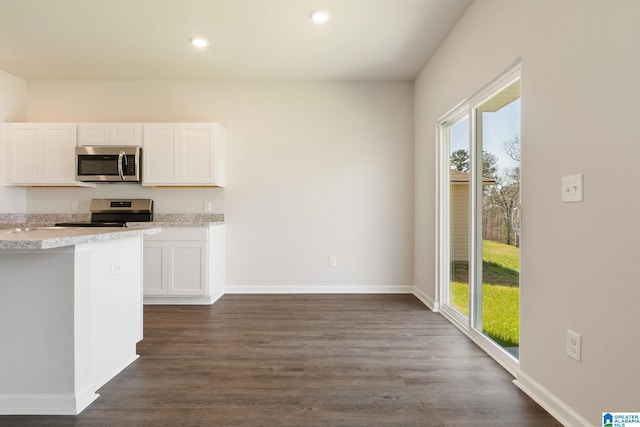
[{"x": 122, "y": 159}]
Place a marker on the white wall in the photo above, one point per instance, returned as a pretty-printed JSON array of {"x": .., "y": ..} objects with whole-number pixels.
[
  {"x": 580, "y": 89},
  {"x": 313, "y": 169},
  {"x": 166, "y": 200},
  {"x": 12, "y": 108}
]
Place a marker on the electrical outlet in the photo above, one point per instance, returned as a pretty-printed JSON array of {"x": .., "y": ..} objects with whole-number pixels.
[
  {"x": 572, "y": 188},
  {"x": 207, "y": 207},
  {"x": 574, "y": 345},
  {"x": 74, "y": 206},
  {"x": 333, "y": 261},
  {"x": 116, "y": 269}
]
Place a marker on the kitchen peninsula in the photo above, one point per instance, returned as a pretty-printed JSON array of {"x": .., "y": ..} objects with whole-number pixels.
[{"x": 70, "y": 314}]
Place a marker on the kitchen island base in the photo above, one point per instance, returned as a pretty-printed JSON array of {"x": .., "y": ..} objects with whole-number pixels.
[{"x": 70, "y": 319}]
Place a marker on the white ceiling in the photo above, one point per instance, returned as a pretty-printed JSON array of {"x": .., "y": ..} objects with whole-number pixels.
[{"x": 250, "y": 39}]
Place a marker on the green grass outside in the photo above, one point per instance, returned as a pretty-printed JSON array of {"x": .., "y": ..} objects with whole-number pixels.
[{"x": 500, "y": 292}]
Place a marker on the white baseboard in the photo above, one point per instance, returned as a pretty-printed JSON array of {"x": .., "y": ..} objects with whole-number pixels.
[
  {"x": 426, "y": 300},
  {"x": 45, "y": 403},
  {"x": 556, "y": 407},
  {"x": 58, "y": 403},
  {"x": 182, "y": 300},
  {"x": 319, "y": 290},
  {"x": 114, "y": 371},
  {"x": 210, "y": 299}
]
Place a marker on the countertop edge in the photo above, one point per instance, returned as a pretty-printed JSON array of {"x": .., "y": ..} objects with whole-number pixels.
[
  {"x": 59, "y": 240},
  {"x": 138, "y": 225}
]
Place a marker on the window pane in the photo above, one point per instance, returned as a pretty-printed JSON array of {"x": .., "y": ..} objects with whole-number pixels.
[
  {"x": 459, "y": 212},
  {"x": 498, "y": 139}
]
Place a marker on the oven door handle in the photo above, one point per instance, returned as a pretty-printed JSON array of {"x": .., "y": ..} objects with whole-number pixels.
[{"x": 122, "y": 163}]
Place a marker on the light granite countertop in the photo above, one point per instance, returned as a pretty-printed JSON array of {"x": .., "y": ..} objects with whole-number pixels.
[
  {"x": 159, "y": 220},
  {"x": 57, "y": 237},
  {"x": 180, "y": 220}
]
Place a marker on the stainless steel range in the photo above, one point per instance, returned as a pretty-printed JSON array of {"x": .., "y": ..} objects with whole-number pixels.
[{"x": 116, "y": 213}]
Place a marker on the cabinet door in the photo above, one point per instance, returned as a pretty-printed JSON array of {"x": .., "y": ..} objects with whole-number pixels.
[
  {"x": 155, "y": 268},
  {"x": 159, "y": 148},
  {"x": 183, "y": 154},
  {"x": 197, "y": 154},
  {"x": 40, "y": 153},
  {"x": 187, "y": 268},
  {"x": 59, "y": 145},
  {"x": 24, "y": 154},
  {"x": 110, "y": 134},
  {"x": 126, "y": 134}
]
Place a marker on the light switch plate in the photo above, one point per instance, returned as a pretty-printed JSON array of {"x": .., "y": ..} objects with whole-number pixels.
[{"x": 572, "y": 188}]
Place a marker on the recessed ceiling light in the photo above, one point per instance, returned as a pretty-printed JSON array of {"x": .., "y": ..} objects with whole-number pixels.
[
  {"x": 319, "y": 17},
  {"x": 199, "y": 41}
]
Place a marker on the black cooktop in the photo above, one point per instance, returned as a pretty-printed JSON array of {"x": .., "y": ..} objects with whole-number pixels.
[{"x": 92, "y": 224}]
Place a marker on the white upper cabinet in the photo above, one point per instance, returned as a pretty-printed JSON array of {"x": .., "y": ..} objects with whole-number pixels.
[
  {"x": 183, "y": 154},
  {"x": 173, "y": 154},
  {"x": 40, "y": 154},
  {"x": 110, "y": 134}
]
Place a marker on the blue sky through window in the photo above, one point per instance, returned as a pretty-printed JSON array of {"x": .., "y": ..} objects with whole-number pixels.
[{"x": 498, "y": 127}]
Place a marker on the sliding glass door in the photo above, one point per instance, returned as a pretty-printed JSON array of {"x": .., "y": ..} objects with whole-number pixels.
[
  {"x": 496, "y": 201},
  {"x": 456, "y": 195},
  {"x": 479, "y": 216}
]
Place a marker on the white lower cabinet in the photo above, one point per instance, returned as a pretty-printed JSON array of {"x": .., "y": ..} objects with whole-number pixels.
[
  {"x": 175, "y": 268},
  {"x": 184, "y": 265}
]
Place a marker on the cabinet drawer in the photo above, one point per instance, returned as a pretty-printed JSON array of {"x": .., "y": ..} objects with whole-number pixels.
[{"x": 180, "y": 233}]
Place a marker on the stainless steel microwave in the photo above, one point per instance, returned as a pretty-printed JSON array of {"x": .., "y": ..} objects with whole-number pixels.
[{"x": 108, "y": 163}]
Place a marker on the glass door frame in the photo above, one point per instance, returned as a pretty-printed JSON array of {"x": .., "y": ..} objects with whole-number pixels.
[
  {"x": 467, "y": 108},
  {"x": 443, "y": 191}
]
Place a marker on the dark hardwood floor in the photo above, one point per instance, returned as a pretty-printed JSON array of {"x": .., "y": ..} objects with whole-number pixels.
[{"x": 305, "y": 360}]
